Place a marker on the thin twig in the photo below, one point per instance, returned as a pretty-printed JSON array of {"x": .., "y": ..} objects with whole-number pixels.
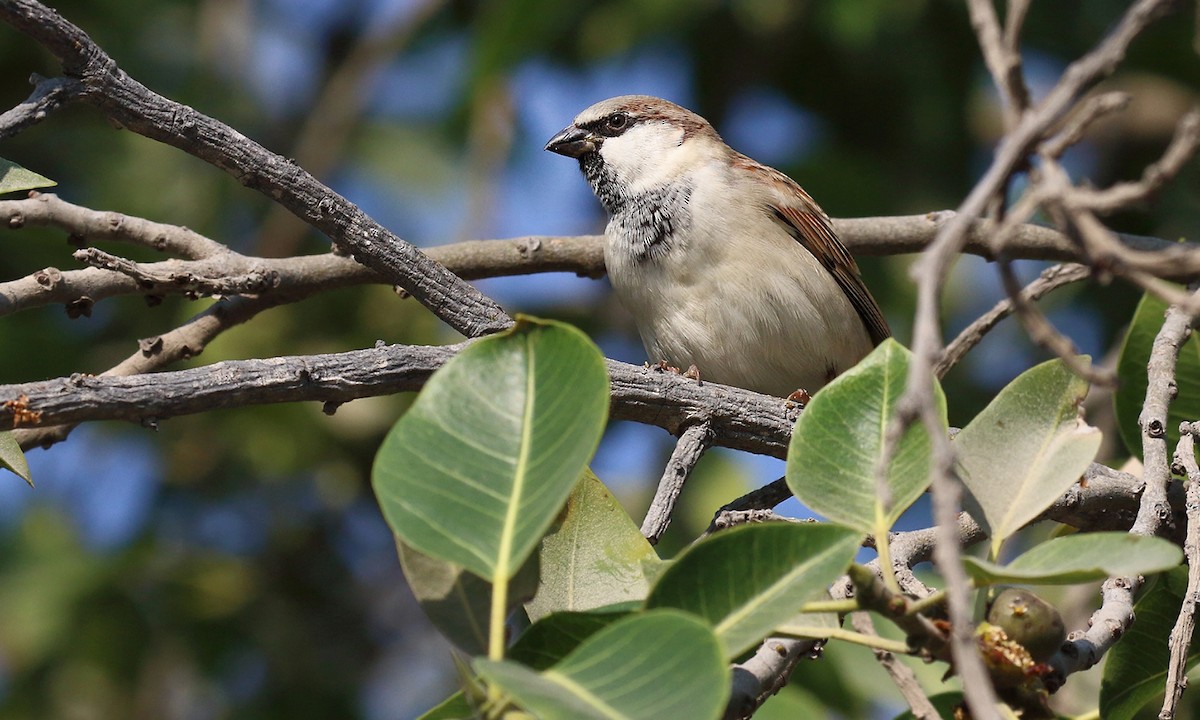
[
  {"x": 1160, "y": 392},
  {"x": 1091, "y": 110},
  {"x": 726, "y": 519},
  {"x": 1014, "y": 20},
  {"x": 915, "y": 233},
  {"x": 1046, "y": 336},
  {"x": 692, "y": 443},
  {"x": 1002, "y": 58},
  {"x": 902, "y": 675},
  {"x": 763, "y": 498},
  {"x": 1075, "y": 209},
  {"x": 85, "y": 225},
  {"x": 48, "y": 95},
  {"x": 1181, "y": 635},
  {"x": 155, "y": 280},
  {"x": 1179, "y": 151},
  {"x": 1050, "y": 279}
]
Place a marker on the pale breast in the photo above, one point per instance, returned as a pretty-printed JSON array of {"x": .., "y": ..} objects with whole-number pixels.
[{"x": 737, "y": 297}]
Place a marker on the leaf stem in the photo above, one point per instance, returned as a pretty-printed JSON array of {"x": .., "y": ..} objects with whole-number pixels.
[
  {"x": 498, "y": 613},
  {"x": 496, "y": 630},
  {"x": 884, "y": 549},
  {"x": 929, "y": 601},
  {"x": 872, "y": 641},
  {"x": 833, "y": 606}
]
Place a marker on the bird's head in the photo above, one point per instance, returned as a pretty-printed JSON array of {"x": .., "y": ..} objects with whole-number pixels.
[{"x": 634, "y": 143}]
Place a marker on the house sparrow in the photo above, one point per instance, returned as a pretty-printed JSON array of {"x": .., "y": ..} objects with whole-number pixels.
[{"x": 724, "y": 263}]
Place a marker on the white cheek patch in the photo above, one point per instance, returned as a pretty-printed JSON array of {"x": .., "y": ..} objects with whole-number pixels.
[{"x": 648, "y": 155}]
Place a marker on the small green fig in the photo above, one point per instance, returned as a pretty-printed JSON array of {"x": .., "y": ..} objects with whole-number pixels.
[{"x": 1030, "y": 621}]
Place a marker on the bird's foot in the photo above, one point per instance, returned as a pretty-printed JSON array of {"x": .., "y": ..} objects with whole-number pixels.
[
  {"x": 692, "y": 373},
  {"x": 800, "y": 396}
]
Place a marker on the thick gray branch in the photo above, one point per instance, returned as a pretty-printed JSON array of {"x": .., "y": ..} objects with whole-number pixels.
[{"x": 740, "y": 419}]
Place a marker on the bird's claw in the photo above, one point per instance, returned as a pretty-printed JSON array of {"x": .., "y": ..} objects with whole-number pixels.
[
  {"x": 692, "y": 373},
  {"x": 800, "y": 396}
]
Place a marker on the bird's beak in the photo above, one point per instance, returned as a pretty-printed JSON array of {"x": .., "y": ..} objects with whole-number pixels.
[{"x": 573, "y": 142}]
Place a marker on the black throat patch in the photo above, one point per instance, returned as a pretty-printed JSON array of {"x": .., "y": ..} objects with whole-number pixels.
[{"x": 646, "y": 224}]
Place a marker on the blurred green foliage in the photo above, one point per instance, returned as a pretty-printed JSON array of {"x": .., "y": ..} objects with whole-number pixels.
[{"x": 185, "y": 616}]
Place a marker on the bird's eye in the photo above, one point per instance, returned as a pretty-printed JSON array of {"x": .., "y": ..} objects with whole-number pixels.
[{"x": 616, "y": 122}]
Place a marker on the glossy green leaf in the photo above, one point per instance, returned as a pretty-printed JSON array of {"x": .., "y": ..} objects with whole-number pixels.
[
  {"x": 652, "y": 665},
  {"x": 749, "y": 580},
  {"x": 476, "y": 471},
  {"x": 1080, "y": 558},
  {"x": 839, "y": 440},
  {"x": 457, "y": 602},
  {"x": 12, "y": 458},
  {"x": 14, "y": 178},
  {"x": 1131, "y": 368},
  {"x": 552, "y": 638},
  {"x": 545, "y": 643},
  {"x": 1025, "y": 449},
  {"x": 595, "y": 557},
  {"x": 1136, "y": 667}
]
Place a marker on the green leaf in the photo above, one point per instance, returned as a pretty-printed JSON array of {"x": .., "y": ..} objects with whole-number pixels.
[
  {"x": 455, "y": 707},
  {"x": 545, "y": 643},
  {"x": 552, "y": 638},
  {"x": 596, "y": 556},
  {"x": 1131, "y": 368},
  {"x": 1081, "y": 558},
  {"x": 457, "y": 602},
  {"x": 14, "y": 178},
  {"x": 1136, "y": 666},
  {"x": 1025, "y": 449},
  {"x": 749, "y": 580},
  {"x": 653, "y": 665},
  {"x": 839, "y": 440},
  {"x": 475, "y": 472},
  {"x": 12, "y": 458}
]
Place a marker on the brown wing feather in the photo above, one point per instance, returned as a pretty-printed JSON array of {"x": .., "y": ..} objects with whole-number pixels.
[
  {"x": 808, "y": 224},
  {"x": 812, "y": 230}
]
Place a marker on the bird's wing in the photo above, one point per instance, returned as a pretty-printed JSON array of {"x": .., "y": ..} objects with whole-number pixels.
[{"x": 809, "y": 225}]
